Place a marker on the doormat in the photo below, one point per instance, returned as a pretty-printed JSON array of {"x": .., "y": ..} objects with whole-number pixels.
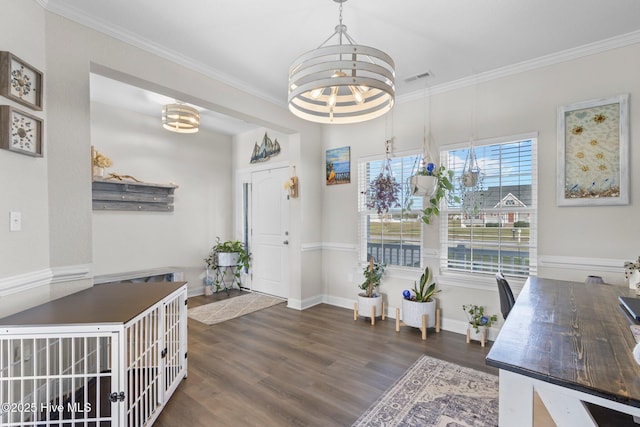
[
  {"x": 231, "y": 308},
  {"x": 436, "y": 393}
]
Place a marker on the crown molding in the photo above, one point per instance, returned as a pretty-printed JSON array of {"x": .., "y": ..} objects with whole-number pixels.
[
  {"x": 521, "y": 67},
  {"x": 76, "y": 15}
]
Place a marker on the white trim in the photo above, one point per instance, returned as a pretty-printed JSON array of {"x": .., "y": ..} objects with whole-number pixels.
[
  {"x": 328, "y": 246},
  {"x": 23, "y": 282},
  {"x": 578, "y": 263},
  {"x": 532, "y": 64},
  {"x": 70, "y": 273},
  {"x": 129, "y": 275}
]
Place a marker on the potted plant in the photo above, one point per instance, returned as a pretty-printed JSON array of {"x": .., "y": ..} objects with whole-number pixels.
[
  {"x": 420, "y": 301},
  {"x": 443, "y": 185},
  {"x": 478, "y": 322},
  {"x": 228, "y": 256},
  {"x": 369, "y": 301},
  {"x": 632, "y": 273}
]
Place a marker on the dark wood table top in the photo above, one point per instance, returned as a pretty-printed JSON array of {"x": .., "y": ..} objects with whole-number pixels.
[
  {"x": 573, "y": 335},
  {"x": 110, "y": 303}
]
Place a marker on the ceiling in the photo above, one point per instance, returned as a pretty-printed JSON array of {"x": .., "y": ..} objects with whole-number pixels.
[{"x": 251, "y": 43}]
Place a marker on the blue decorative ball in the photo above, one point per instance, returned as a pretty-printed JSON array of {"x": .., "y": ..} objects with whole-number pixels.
[
  {"x": 484, "y": 320},
  {"x": 406, "y": 294},
  {"x": 430, "y": 168}
]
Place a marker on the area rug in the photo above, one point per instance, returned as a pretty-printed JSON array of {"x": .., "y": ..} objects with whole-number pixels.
[
  {"x": 231, "y": 308},
  {"x": 436, "y": 393}
]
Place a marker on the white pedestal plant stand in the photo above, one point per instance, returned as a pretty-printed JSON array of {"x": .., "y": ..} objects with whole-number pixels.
[
  {"x": 369, "y": 307},
  {"x": 481, "y": 335},
  {"x": 420, "y": 315}
]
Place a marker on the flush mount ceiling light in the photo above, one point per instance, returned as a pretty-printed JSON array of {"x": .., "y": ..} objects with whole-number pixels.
[
  {"x": 343, "y": 83},
  {"x": 180, "y": 118}
]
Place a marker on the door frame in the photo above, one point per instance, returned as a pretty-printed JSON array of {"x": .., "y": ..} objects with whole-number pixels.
[{"x": 243, "y": 176}]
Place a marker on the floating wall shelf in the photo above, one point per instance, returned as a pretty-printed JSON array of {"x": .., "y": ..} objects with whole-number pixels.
[{"x": 112, "y": 195}]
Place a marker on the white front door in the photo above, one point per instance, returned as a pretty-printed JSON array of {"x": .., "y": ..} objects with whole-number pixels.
[{"x": 270, "y": 232}]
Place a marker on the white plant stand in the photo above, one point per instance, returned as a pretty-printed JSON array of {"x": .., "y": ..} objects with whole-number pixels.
[
  {"x": 481, "y": 335},
  {"x": 423, "y": 323},
  {"x": 369, "y": 307}
]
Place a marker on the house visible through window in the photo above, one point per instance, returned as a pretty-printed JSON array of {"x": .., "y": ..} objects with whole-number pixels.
[
  {"x": 493, "y": 228},
  {"x": 394, "y": 238}
]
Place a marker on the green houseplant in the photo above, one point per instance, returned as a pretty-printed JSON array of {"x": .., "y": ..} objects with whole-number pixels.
[
  {"x": 231, "y": 256},
  {"x": 369, "y": 301},
  {"x": 477, "y": 317},
  {"x": 420, "y": 301},
  {"x": 444, "y": 184}
]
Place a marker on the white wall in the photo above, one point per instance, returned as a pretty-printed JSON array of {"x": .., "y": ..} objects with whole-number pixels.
[
  {"x": 198, "y": 163},
  {"x": 573, "y": 241},
  {"x": 54, "y": 193}
]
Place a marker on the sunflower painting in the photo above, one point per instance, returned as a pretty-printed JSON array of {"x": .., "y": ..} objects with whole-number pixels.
[
  {"x": 338, "y": 169},
  {"x": 593, "y": 140}
]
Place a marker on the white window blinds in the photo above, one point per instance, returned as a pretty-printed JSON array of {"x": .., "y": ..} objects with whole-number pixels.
[{"x": 494, "y": 227}]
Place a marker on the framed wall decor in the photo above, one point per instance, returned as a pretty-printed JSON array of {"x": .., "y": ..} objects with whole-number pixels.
[
  {"x": 593, "y": 152},
  {"x": 338, "y": 166},
  {"x": 20, "y": 132},
  {"x": 20, "y": 81}
]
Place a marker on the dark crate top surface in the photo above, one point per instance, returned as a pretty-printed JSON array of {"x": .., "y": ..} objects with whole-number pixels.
[{"x": 109, "y": 303}]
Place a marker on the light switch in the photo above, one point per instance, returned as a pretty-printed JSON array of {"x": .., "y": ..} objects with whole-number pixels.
[{"x": 15, "y": 221}]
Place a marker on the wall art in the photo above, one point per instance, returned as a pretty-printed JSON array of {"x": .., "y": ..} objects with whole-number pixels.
[
  {"x": 265, "y": 150},
  {"x": 20, "y": 132},
  {"x": 593, "y": 152},
  {"x": 338, "y": 166},
  {"x": 20, "y": 81}
]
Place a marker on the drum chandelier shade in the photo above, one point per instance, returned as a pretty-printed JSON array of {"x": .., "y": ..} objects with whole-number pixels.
[
  {"x": 343, "y": 83},
  {"x": 180, "y": 118}
]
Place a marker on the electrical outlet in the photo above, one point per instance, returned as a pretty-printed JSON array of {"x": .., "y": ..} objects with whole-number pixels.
[{"x": 15, "y": 221}]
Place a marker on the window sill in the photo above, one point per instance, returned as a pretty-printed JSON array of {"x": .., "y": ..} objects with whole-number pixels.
[{"x": 484, "y": 281}]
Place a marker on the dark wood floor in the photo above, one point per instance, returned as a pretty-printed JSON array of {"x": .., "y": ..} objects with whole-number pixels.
[{"x": 283, "y": 367}]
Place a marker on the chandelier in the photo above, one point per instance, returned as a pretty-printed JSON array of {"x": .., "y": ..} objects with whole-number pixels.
[
  {"x": 180, "y": 118},
  {"x": 342, "y": 83}
]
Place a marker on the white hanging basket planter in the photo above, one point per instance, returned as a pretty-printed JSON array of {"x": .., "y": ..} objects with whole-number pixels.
[
  {"x": 412, "y": 312},
  {"x": 228, "y": 259},
  {"x": 423, "y": 185}
]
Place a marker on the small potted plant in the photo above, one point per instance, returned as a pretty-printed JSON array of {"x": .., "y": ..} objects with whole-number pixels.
[
  {"x": 420, "y": 301},
  {"x": 632, "y": 273},
  {"x": 369, "y": 301},
  {"x": 230, "y": 256},
  {"x": 478, "y": 322}
]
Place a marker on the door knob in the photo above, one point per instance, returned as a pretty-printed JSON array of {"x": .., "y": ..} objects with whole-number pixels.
[{"x": 286, "y": 242}]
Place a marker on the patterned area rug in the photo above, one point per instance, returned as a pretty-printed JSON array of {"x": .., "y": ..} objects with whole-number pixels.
[
  {"x": 231, "y": 308},
  {"x": 437, "y": 393}
]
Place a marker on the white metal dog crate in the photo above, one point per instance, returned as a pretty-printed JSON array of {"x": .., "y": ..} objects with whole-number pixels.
[{"x": 111, "y": 355}]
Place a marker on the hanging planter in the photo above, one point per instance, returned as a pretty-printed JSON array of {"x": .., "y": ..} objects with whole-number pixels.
[
  {"x": 424, "y": 182},
  {"x": 471, "y": 171},
  {"x": 384, "y": 191}
]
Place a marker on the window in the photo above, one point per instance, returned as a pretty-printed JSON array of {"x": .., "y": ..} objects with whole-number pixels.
[
  {"x": 493, "y": 227},
  {"x": 394, "y": 238}
]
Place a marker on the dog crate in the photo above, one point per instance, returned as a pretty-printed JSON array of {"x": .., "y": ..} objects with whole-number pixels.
[{"x": 110, "y": 355}]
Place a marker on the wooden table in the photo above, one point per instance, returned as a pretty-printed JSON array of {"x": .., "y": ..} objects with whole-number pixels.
[{"x": 570, "y": 343}]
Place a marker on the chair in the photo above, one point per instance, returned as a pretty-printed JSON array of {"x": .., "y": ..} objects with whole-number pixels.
[{"x": 506, "y": 296}]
